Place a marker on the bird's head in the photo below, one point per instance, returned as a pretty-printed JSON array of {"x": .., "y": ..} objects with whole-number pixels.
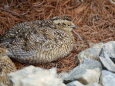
[{"x": 63, "y": 22}]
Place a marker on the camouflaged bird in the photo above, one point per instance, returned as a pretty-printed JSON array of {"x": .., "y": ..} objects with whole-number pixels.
[
  {"x": 40, "y": 41},
  {"x": 6, "y": 66}
]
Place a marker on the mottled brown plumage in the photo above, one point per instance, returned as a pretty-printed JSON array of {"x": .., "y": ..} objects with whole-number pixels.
[
  {"x": 6, "y": 66},
  {"x": 40, "y": 41}
]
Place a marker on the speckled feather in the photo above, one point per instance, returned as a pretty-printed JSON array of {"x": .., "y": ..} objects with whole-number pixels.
[
  {"x": 6, "y": 66},
  {"x": 39, "y": 41}
]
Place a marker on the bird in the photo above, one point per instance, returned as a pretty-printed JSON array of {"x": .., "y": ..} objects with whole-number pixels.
[
  {"x": 6, "y": 67},
  {"x": 40, "y": 41}
]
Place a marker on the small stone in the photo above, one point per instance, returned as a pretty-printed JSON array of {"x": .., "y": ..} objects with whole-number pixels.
[
  {"x": 94, "y": 84},
  {"x": 109, "y": 47},
  {"x": 107, "y": 56},
  {"x": 88, "y": 72},
  {"x": 33, "y": 76},
  {"x": 92, "y": 53},
  {"x": 108, "y": 78},
  {"x": 77, "y": 83}
]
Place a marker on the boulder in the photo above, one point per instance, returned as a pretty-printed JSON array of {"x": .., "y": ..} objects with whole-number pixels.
[
  {"x": 88, "y": 72},
  {"x": 107, "y": 56},
  {"x": 77, "y": 83},
  {"x": 92, "y": 53},
  {"x": 33, "y": 76}
]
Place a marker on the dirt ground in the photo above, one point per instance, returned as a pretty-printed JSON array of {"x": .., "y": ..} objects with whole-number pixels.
[{"x": 95, "y": 20}]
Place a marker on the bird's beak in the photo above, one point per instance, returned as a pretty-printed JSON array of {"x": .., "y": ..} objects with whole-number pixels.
[{"x": 74, "y": 26}]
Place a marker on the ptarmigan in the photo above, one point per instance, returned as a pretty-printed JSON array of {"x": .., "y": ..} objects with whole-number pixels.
[{"x": 40, "y": 41}]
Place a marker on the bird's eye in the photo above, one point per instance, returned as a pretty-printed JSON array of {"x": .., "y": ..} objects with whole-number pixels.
[
  {"x": 58, "y": 23},
  {"x": 64, "y": 24}
]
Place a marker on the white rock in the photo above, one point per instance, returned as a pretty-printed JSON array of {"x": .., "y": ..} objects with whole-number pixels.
[
  {"x": 94, "y": 84},
  {"x": 1, "y": 84},
  {"x": 91, "y": 76},
  {"x": 87, "y": 73},
  {"x": 92, "y": 53},
  {"x": 77, "y": 83},
  {"x": 33, "y": 76},
  {"x": 108, "y": 78}
]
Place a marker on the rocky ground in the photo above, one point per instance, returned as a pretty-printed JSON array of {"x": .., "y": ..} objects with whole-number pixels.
[
  {"x": 96, "y": 24},
  {"x": 96, "y": 68},
  {"x": 95, "y": 19}
]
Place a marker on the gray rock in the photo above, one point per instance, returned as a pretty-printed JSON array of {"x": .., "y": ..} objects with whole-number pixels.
[
  {"x": 1, "y": 84},
  {"x": 94, "y": 84},
  {"x": 87, "y": 72},
  {"x": 92, "y": 53},
  {"x": 107, "y": 55},
  {"x": 108, "y": 78},
  {"x": 109, "y": 47},
  {"x": 77, "y": 83},
  {"x": 33, "y": 76}
]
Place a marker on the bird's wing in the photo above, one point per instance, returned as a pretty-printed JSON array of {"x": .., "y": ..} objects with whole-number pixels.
[
  {"x": 18, "y": 30},
  {"x": 37, "y": 39},
  {"x": 25, "y": 39}
]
